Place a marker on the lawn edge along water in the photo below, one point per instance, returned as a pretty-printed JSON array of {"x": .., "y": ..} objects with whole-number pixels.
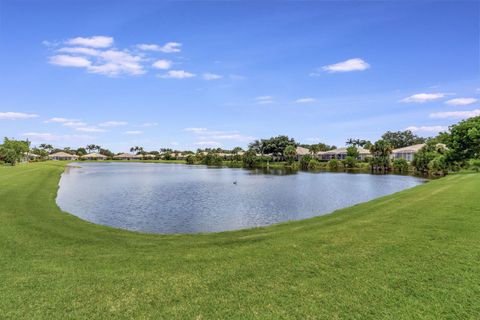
[{"x": 412, "y": 254}]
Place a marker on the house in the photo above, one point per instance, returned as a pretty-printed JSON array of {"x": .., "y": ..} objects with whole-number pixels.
[
  {"x": 407, "y": 153},
  {"x": 94, "y": 156},
  {"x": 149, "y": 156},
  {"x": 341, "y": 154},
  {"x": 62, "y": 156},
  {"x": 301, "y": 151},
  {"x": 127, "y": 156},
  {"x": 27, "y": 156}
]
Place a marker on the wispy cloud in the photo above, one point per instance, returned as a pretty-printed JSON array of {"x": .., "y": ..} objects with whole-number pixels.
[
  {"x": 133, "y": 132},
  {"x": 178, "y": 74},
  {"x": 206, "y": 134},
  {"x": 423, "y": 97},
  {"x": 74, "y": 124},
  {"x": 16, "y": 115},
  {"x": 162, "y": 64},
  {"x": 427, "y": 128},
  {"x": 211, "y": 76},
  {"x": 113, "y": 123},
  {"x": 355, "y": 64},
  {"x": 195, "y": 130},
  {"x": 50, "y": 137},
  {"x": 208, "y": 143},
  {"x": 95, "y": 55},
  {"x": 148, "y": 124},
  {"x": 264, "y": 100},
  {"x": 456, "y": 114},
  {"x": 70, "y": 61},
  {"x": 60, "y": 120},
  {"x": 95, "y": 42},
  {"x": 461, "y": 101},
  {"x": 169, "y": 47},
  {"x": 90, "y": 129},
  {"x": 305, "y": 100}
]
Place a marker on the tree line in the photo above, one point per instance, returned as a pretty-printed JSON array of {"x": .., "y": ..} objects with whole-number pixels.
[{"x": 448, "y": 151}]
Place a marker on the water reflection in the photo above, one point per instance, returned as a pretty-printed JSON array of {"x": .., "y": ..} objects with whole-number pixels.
[{"x": 171, "y": 198}]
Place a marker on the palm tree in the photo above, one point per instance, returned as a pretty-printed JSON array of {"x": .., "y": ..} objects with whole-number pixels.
[
  {"x": 381, "y": 151},
  {"x": 290, "y": 152},
  {"x": 314, "y": 149},
  {"x": 46, "y": 147},
  {"x": 91, "y": 147}
]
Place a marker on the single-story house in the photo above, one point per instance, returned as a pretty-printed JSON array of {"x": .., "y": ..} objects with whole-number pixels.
[
  {"x": 301, "y": 151},
  {"x": 27, "y": 156},
  {"x": 149, "y": 157},
  {"x": 94, "y": 156},
  {"x": 407, "y": 153},
  {"x": 341, "y": 154},
  {"x": 62, "y": 156},
  {"x": 127, "y": 156}
]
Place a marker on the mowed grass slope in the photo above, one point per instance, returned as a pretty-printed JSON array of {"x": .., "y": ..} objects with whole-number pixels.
[{"x": 411, "y": 255}]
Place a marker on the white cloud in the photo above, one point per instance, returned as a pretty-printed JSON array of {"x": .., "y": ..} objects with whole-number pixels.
[
  {"x": 162, "y": 64},
  {"x": 134, "y": 132},
  {"x": 60, "y": 120},
  {"x": 169, "y": 47},
  {"x": 427, "y": 128},
  {"x": 456, "y": 114},
  {"x": 109, "y": 62},
  {"x": 461, "y": 101},
  {"x": 178, "y": 74},
  {"x": 356, "y": 64},
  {"x": 264, "y": 100},
  {"x": 90, "y": 129},
  {"x": 80, "y": 50},
  {"x": 94, "y": 42},
  {"x": 208, "y": 143},
  {"x": 208, "y": 135},
  {"x": 305, "y": 100},
  {"x": 149, "y": 124},
  {"x": 113, "y": 123},
  {"x": 235, "y": 137},
  {"x": 114, "y": 62},
  {"x": 74, "y": 124},
  {"x": 70, "y": 61},
  {"x": 211, "y": 76},
  {"x": 423, "y": 97},
  {"x": 16, "y": 115},
  {"x": 195, "y": 130},
  {"x": 48, "y": 137}
]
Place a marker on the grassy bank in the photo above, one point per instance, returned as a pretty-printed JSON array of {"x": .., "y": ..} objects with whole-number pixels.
[{"x": 415, "y": 254}]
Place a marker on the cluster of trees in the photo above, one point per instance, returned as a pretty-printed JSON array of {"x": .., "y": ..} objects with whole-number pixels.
[
  {"x": 447, "y": 151},
  {"x": 13, "y": 151}
]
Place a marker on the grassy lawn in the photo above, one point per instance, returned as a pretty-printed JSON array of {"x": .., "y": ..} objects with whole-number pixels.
[{"x": 411, "y": 255}]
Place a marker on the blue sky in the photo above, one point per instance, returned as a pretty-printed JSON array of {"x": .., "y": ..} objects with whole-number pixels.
[{"x": 189, "y": 75}]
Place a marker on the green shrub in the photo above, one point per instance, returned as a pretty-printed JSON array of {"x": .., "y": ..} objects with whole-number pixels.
[
  {"x": 349, "y": 162},
  {"x": 305, "y": 161},
  {"x": 400, "y": 165},
  {"x": 333, "y": 164},
  {"x": 474, "y": 164},
  {"x": 190, "y": 159},
  {"x": 250, "y": 159},
  {"x": 212, "y": 159},
  {"x": 438, "y": 166},
  {"x": 313, "y": 164}
]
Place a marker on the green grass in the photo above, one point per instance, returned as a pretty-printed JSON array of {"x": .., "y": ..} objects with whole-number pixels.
[{"x": 411, "y": 255}]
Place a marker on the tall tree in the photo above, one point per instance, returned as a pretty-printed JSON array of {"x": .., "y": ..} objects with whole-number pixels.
[
  {"x": 464, "y": 140},
  {"x": 290, "y": 152},
  {"x": 12, "y": 151},
  {"x": 381, "y": 151},
  {"x": 400, "y": 139}
]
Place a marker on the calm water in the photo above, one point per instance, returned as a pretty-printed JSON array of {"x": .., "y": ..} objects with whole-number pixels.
[{"x": 171, "y": 198}]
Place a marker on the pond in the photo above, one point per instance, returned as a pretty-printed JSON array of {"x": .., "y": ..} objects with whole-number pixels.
[{"x": 175, "y": 198}]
